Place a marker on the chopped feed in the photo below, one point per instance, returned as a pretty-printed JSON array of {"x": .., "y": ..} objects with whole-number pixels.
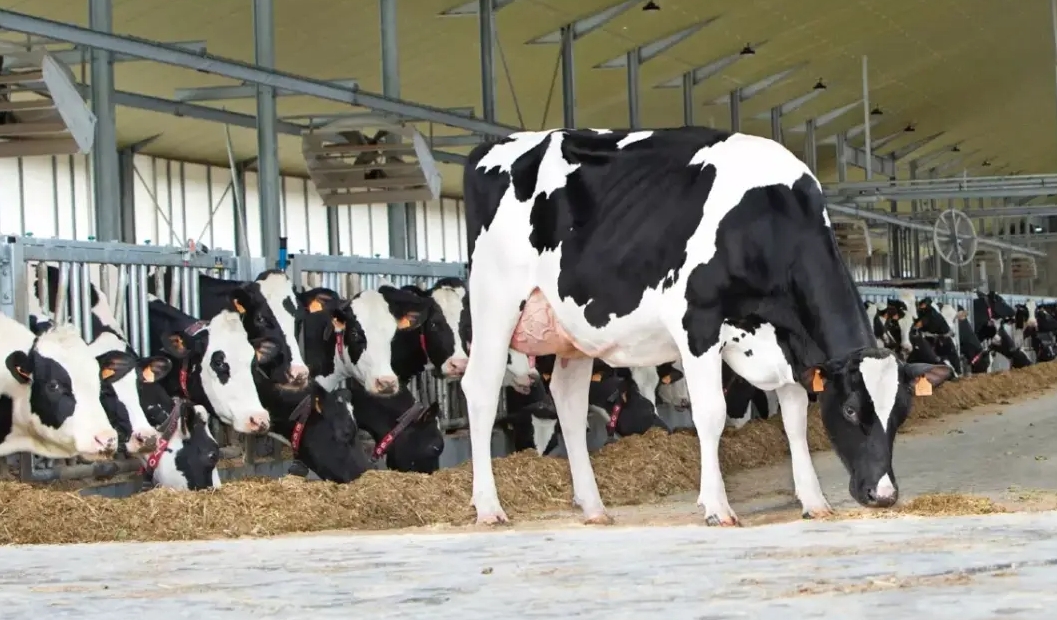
[
  {"x": 632, "y": 471},
  {"x": 930, "y": 505}
]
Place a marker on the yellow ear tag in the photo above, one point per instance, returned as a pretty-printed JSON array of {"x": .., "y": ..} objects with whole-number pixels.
[
  {"x": 315, "y": 306},
  {"x": 148, "y": 375},
  {"x": 666, "y": 379},
  {"x": 546, "y": 376},
  {"x": 106, "y": 373},
  {"x": 238, "y": 307},
  {"x": 403, "y": 323},
  {"x": 595, "y": 378},
  {"x": 922, "y": 387},
  {"x": 816, "y": 381}
]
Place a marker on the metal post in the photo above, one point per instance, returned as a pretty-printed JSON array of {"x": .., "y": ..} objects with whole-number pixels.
[
  {"x": 486, "y": 27},
  {"x": 810, "y": 146},
  {"x": 398, "y": 213},
  {"x": 735, "y": 110},
  {"x": 568, "y": 77},
  {"x": 915, "y": 235},
  {"x": 866, "y": 119},
  {"x": 105, "y": 187},
  {"x": 127, "y": 194},
  {"x": 776, "y": 124},
  {"x": 238, "y": 197},
  {"x": 688, "y": 98},
  {"x": 633, "y": 89},
  {"x": 333, "y": 239},
  {"x": 842, "y": 162},
  {"x": 267, "y": 137}
]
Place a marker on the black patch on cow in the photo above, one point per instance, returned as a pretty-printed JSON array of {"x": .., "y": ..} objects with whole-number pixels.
[
  {"x": 51, "y": 396},
  {"x": 418, "y": 447},
  {"x": 198, "y": 456},
  {"x": 521, "y": 306},
  {"x": 748, "y": 353},
  {"x": 116, "y": 412},
  {"x": 7, "y": 417}
]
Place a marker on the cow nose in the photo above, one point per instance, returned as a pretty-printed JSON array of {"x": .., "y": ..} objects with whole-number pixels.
[
  {"x": 455, "y": 367},
  {"x": 259, "y": 423},
  {"x": 884, "y": 495},
  {"x": 385, "y": 385},
  {"x": 298, "y": 373}
]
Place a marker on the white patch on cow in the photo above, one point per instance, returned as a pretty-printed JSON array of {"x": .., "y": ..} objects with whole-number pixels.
[
  {"x": 633, "y": 137},
  {"x": 276, "y": 288},
  {"x": 885, "y": 488},
  {"x": 602, "y": 131},
  {"x": 907, "y": 322},
  {"x": 87, "y": 432},
  {"x": 766, "y": 366},
  {"x": 648, "y": 382},
  {"x": 504, "y": 154},
  {"x": 542, "y": 432},
  {"x": 236, "y": 402},
  {"x": 825, "y": 217},
  {"x": 871, "y": 314},
  {"x": 379, "y": 326},
  {"x": 950, "y": 315},
  {"x": 166, "y": 475},
  {"x": 519, "y": 373},
  {"x": 880, "y": 376},
  {"x": 450, "y": 300},
  {"x": 105, "y": 314},
  {"x": 127, "y": 391},
  {"x": 1032, "y": 321}
]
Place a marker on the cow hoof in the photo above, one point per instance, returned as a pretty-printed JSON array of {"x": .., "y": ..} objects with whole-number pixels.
[
  {"x": 494, "y": 519},
  {"x": 602, "y": 519},
  {"x": 818, "y": 513},
  {"x": 714, "y": 520}
]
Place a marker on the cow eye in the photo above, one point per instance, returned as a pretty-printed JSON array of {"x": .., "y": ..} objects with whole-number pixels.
[{"x": 850, "y": 414}]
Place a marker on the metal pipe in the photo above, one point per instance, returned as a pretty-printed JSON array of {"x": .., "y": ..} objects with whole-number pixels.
[
  {"x": 688, "y": 99},
  {"x": 486, "y": 31},
  {"x": 86, "y": 303},
  {"x": 105, "y": 186},
  {"x": 634, "y": 122},
  {"x": 225, "y": 67},
  {"x": 267, "y": 140},
  {"x": 396, "y": 213},
  {"x": 866, "y": 118},
  {"x": 568, "y": 42}
]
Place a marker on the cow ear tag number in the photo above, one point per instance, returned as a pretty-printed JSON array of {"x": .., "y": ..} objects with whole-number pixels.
[{"x": 922, "y": 387}]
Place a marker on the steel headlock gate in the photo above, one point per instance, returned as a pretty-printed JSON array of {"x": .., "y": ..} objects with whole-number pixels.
[{"x": 121, "y": 273}]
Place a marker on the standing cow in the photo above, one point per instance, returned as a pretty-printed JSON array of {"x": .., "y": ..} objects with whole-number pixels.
[{"x": 691, "y": 244}]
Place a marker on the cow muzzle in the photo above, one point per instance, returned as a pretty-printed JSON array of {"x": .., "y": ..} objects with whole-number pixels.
[
  {"x": 142, "y": 442},
  {"x": 385, "y": 386},
  {"x": 103, "y": 446},
  {"x": 454, "y": 368},
  {"x": 256, "y": 424}
]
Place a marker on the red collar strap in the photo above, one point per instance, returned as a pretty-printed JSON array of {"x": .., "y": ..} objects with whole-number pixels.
[
  {"x": 614, "y": 417},
  {"x": 300, "y": 418},
  {"x": 163, "y": 442},
  {"x": 185, "y": 374},
  {"x": 406, "y": 419},
  {"x": 422, "y": 343}
]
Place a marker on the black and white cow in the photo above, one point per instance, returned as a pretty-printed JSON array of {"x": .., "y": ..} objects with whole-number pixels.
[
  {"x": 936, "y": 339},
  {"x": 406, "y": 433},
  {"x": 976, "y": 355},
  {"x": 49, "y": 396},
  {"x": 214, "y": 363},
  {"x": 187, "y": 454},
  {"x": 991, "y": 314},
  {"x": 1039, "y": 326},
  {"x": 645, "y": 247},
  {"x": 268, "y": 308}
]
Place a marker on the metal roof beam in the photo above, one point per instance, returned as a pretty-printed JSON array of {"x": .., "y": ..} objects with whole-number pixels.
[
  {"x": 750, "y": 91},
  {"x": 470, "y": 8},
  {"x": 793, "y": 104},
  {"x": 78, "y": 55},
  {"x": 925, "y": 160},
  {"x": 208, "y": 63},
  {"x": 702, "y": 73},
  {"x": 649, "y": 51},
  {"x": 881, "y": 164},
  {"x": 242, "y": 91},
  {"x": 853, "y": 132},
  {"x": 904, "y": 151},
  {"x": 585, "y": 25},
  {"x": 955, "y": 187},
  {"x": 364, "y": 119},
  {"x": 825, "y": 119},
  {"x": 1047, "y": 210}
]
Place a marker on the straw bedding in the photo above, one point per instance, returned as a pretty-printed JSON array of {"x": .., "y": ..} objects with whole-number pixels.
[{"x": 632, "y": 471}]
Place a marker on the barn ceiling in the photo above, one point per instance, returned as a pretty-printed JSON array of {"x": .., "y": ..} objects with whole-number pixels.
[{"x": 979, "y": 71}]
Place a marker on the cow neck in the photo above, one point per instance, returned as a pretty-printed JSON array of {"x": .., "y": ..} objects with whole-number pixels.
[
  {"x": 168, "y": 430},
  {"x": 829, "y": 305},
  {"x": 406, "y": 419},
  {"x": 299, "y": 417}
]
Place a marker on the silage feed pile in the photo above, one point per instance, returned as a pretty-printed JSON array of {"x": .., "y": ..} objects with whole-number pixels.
[{"x": 632, "y": 471}]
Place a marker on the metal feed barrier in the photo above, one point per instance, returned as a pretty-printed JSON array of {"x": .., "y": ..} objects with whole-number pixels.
[{"x": 121, "y": 272}]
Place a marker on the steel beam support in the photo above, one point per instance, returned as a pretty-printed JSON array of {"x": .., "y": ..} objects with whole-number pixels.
[
  {"x": 1047, "y": 210},
  {"x": 776, "y": 124},
  {"x": 810, "y": 148},
  {"x": 238, "y": 197},
  {"x": 74, "y": 56},
  {"x": 399, "y": 214},
  {"x": 842, "y": 160},
  {"x": 486, "y": 34},
  {"x": 688, "y": 99},
  {"x": 735, "y": 110},
  {"x": 649, "y": 51},
  {"x": 966, "y": 187},
  {"x": 793, "y": 104},
  {"x": 105, "y": 184},
  {"x": 207, "y": 63},
  {"x": 585, "y": 25},
  {"x": 757, "y": 87},
  {"x": 267, "y": 136},
  {"x": 242, "y": 91},
  {"x": 634, "y": 122},
  {"x": 704, "y": 72},
  {"x": 866, "y": 119},
  {"x": 881, "y": 165},
  {"x": 126, "y": 162},
  {"x": 568, "y": 44}
]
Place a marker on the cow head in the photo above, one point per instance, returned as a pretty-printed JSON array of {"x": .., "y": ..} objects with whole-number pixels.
[
  {"x": 268, "y": 308},
  {"x": 220, "y": 353},
  {"x": 60, "y": 375},
  {"x": 864, "y": 399},
  {"x": 450, "y": 296},
  {"x": 672, "y": 387},
  {"x": 121, "y": 374},
  {"x": 330, "y": 444},
  {"x": 189, "y": 462},
  {"x": 1000, "y": 309},
  {"x": 414, "y": 444},
  {"x": 906, "y": 313},
  {"x": 433, "y": 343},
  {"x": 614, "y": 394}
]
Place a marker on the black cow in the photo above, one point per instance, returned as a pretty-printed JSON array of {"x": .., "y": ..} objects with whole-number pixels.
[
  {"x": 936, "y": 330},
  {"x": 645, "y": 247},
  {"x": 991, "y": 313}
]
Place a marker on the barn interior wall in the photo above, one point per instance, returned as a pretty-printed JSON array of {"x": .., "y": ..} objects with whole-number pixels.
[{"x": 50, "y": 197}]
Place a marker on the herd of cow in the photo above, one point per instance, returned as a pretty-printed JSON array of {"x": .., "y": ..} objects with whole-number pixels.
[{"x": 311, "y": 369}]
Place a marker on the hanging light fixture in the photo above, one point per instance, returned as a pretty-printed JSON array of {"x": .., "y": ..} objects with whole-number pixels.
[
  {"x": 651, "y": 6},
  {"x": 876, "y": 111},
  {"x": 910, "y": 127},
  {"x": 987, "y": 163},
  {"x": 820, "y": 85},
  {"x": 747, "y": 50},
  {"x": 956, "y": 149}
]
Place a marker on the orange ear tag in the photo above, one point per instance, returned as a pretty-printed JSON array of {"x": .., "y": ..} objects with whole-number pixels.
[
  {"x": 922, "y": 387},
  {"x": 816, "y": 381},
  {"x": 667, "y": 379},
  {"x": 314, "y": 306},
  {"x": 148, "y": 375}
]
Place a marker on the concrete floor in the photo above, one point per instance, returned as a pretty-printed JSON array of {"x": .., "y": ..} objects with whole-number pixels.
[{"x": 963, "y": 568}]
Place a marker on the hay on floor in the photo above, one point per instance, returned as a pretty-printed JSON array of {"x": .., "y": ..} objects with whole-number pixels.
[{"x": 632, "y": 471}]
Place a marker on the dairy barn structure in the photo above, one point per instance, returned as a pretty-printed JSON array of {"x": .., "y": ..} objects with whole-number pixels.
[{"x": 150, "y": 150}]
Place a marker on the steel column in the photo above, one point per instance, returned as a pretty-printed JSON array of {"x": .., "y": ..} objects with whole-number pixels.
[
  {"x": 238, "y": 197},
  {"x": 267, "y": 134},
  {"x": 688, "y": 99},
  {"x": 105, "y": 188},
  {"x": 333, "y": 232},
  {"x": 776, "y": 124},
  {"x": 568, "y": 77},
  {"x": 633, "y": 89},
  {"x": 735, "y": 110},
  {"x": 810, "y": 146},
  {"x": 842, "y": 162},
  {"x": 486, "y": 29},
  {"x": 866, "y": 119},
  {"x": 126, "y": 159},
  {"x": 398, "y": 214}
]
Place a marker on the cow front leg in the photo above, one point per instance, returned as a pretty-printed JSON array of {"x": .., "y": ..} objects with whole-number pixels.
[
  {"x": 570, "y": 385},
  {"x": 704, "y": 378},
  {"x": 481, "y": 384},
  {"x": 793, "y": 400}
]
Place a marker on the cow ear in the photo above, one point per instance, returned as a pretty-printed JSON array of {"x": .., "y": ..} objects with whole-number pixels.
[
  {"x": 241, "y": 299},
  {"x": 114, "y": 365},
  {"x": 412, "y": 319},
  {"x": 668, "y": 374},
  {"x": 20, "y": 364},
  {"x": 341, "y": 314},
  {"x": 315, "y": 301},
  {"x": 154, "y": 368},
  {"x": 813, "y": 379},
  {"x": 266, "y": 349},
  {"x": 177, "y": 344},
  {"x": 924, "y": 377}
]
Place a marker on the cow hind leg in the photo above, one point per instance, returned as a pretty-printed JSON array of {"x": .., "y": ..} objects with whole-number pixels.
[
  {"x": 793, "y": 400},
  {"x": 570, "y": 385}
]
